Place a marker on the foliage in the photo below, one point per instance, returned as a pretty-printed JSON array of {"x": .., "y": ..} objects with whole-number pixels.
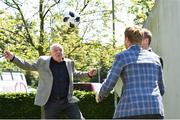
[
  {"x": 23, "y": 32},
  {"x": 20, "y": 106},
  {"x": 29, "y": 34},
  {"x": 92, "y": 110},
  {"x": 141, "y": 9}
]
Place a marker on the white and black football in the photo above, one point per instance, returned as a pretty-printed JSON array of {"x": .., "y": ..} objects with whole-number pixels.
[{"x": 71, "y": 18}]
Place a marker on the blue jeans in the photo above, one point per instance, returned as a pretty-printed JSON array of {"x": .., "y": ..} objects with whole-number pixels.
[{"x": 58, "y": 109}]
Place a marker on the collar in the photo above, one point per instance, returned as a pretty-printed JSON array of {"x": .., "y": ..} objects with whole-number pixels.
[
  {"x": 135, "y": 47},
  {"x": 55, "y": 62}
]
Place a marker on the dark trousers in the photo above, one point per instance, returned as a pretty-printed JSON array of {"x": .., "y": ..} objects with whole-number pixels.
[
  {"x": 58, "y": 109},
  {"x": 153, "y": 116}
]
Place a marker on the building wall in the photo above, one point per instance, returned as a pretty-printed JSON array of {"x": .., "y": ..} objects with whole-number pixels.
[{"x": 164, "y": 23}]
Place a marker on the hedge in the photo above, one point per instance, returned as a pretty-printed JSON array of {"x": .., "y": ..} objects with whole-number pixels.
[{"x": 21, "y": 106}]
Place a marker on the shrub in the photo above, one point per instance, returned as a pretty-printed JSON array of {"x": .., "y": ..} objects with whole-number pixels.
[
  {"x": 21, "y": 106},
  {"x": 18, "y": 106}
]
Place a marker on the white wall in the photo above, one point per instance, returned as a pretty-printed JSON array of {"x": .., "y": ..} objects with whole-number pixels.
[{"x": 164, "y": 23}]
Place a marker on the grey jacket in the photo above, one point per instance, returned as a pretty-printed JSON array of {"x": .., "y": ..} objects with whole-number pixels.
[{"x": 46, "y": 77}]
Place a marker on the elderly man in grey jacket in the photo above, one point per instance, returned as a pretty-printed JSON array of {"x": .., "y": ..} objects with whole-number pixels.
[{"x": 55, "y": 87}]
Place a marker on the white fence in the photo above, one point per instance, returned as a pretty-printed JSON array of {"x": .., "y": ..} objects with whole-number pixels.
[{"x": 12, "y": 82}]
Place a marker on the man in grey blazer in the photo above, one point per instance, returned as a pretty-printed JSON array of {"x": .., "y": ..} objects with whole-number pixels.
[{"x": 55, "y": 87}]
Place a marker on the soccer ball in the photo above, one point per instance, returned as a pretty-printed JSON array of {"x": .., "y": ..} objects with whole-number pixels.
[{"x": 71, "y": 18}]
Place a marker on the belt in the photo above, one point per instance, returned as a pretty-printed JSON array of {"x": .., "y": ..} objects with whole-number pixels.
[{"x": 58, "y": 98}]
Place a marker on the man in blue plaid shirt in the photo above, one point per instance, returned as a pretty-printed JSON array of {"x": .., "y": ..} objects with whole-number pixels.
[{"x": 142, "y": 77}]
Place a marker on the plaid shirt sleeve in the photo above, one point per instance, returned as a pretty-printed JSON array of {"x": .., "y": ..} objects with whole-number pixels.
[
  {"x": 112, "y": 77},
  {"x": 161, "y": 82}
]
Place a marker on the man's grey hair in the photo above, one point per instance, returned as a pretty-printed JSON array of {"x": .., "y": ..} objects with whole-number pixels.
[{"x": 56, "y": 45}]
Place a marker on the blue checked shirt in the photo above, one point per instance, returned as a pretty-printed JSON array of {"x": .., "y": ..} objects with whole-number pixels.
[{"x": 143, "y": 88}]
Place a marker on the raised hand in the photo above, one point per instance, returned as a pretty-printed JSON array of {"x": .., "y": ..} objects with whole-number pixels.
[
  {"x": 92, "y": 72},
  {"x": 8, "y": 55}
]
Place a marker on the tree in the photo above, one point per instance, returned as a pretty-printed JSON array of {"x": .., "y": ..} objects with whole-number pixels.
[
  {"x": 29, "y": 34},
  {"x": 141, "y": 9},
  {"x": 47, "y": 18}
]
